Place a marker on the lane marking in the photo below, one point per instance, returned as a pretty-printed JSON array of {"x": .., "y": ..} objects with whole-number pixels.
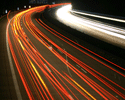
[
  {"x": 59, "y": 51},
  {"x": 19, "y": 97},
  {"x": 82, "y": 69},
  {"x": 47, "y": 67},
  {"x": 67, "y": 63},
  {"x": 50, "y": 47}
]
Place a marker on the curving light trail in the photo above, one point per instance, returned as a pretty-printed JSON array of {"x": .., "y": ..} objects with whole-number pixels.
[
  {"x": 96, "y": 28},
  {"x": 99, "y": 16},
  {"x": 44, "y": 80}
]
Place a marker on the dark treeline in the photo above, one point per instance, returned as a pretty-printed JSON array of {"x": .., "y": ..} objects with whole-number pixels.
[
  {"x": 12, "y": 5},
  {"x": 58, "y": 1},
  {"x": 111, "y": 7}
]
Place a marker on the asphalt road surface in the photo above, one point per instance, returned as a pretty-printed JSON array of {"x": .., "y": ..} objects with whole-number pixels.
[{"x": 43, "y": 61}]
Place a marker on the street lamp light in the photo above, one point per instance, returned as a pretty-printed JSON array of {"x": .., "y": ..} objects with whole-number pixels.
[
  {"x": 24, "y": 6},
  {"x": 29, "y": 6},
  {"x": 17, "y": 8},
  {"x": 5, "y": 11}
]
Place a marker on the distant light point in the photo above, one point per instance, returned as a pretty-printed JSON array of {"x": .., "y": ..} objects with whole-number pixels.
[
  {"x": 24, "y": 6},
  {"x": 29, "y": 6},
  {"x": 17, "y": 8},
  {"x": 5, "y": 11}
]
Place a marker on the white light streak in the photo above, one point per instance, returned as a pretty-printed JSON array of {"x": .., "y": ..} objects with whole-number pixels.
[
  {"x": 82, "y": 24},
  {"x": 98, "y": 16}
]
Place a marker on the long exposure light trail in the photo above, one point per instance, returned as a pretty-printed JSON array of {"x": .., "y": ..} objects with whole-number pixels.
[
  {"x": 77, "y": 44},
  {"x": 84, "y": 25},
  {"x": 59, "y": 49},
  {"x": 41, "y": 77},
  {"x": 98, "y": 16},
  {"x": 74, "y": 59}
]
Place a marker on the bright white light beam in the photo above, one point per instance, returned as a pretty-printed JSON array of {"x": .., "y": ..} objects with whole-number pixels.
[
  {"x": 84, "y": 23},
  {"x": 98, "y": 16}
]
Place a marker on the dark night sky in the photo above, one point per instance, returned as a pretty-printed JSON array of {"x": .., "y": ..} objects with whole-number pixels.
[
  {"x": 11, "y": 4},
  {"x": 112, "y": 7}
]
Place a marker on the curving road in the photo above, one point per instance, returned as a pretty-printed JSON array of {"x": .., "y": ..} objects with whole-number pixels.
[{"x": 46, "y": 64}]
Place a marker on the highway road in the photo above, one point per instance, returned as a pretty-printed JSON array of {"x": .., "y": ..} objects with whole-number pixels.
[{"x": 46, "y": 62}]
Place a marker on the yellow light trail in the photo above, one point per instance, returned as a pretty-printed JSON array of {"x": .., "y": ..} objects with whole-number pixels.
[{"x": 38, "y": 75}]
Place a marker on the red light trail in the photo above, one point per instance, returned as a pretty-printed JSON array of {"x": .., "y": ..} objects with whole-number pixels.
[{"x": 41, "y": 79}]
